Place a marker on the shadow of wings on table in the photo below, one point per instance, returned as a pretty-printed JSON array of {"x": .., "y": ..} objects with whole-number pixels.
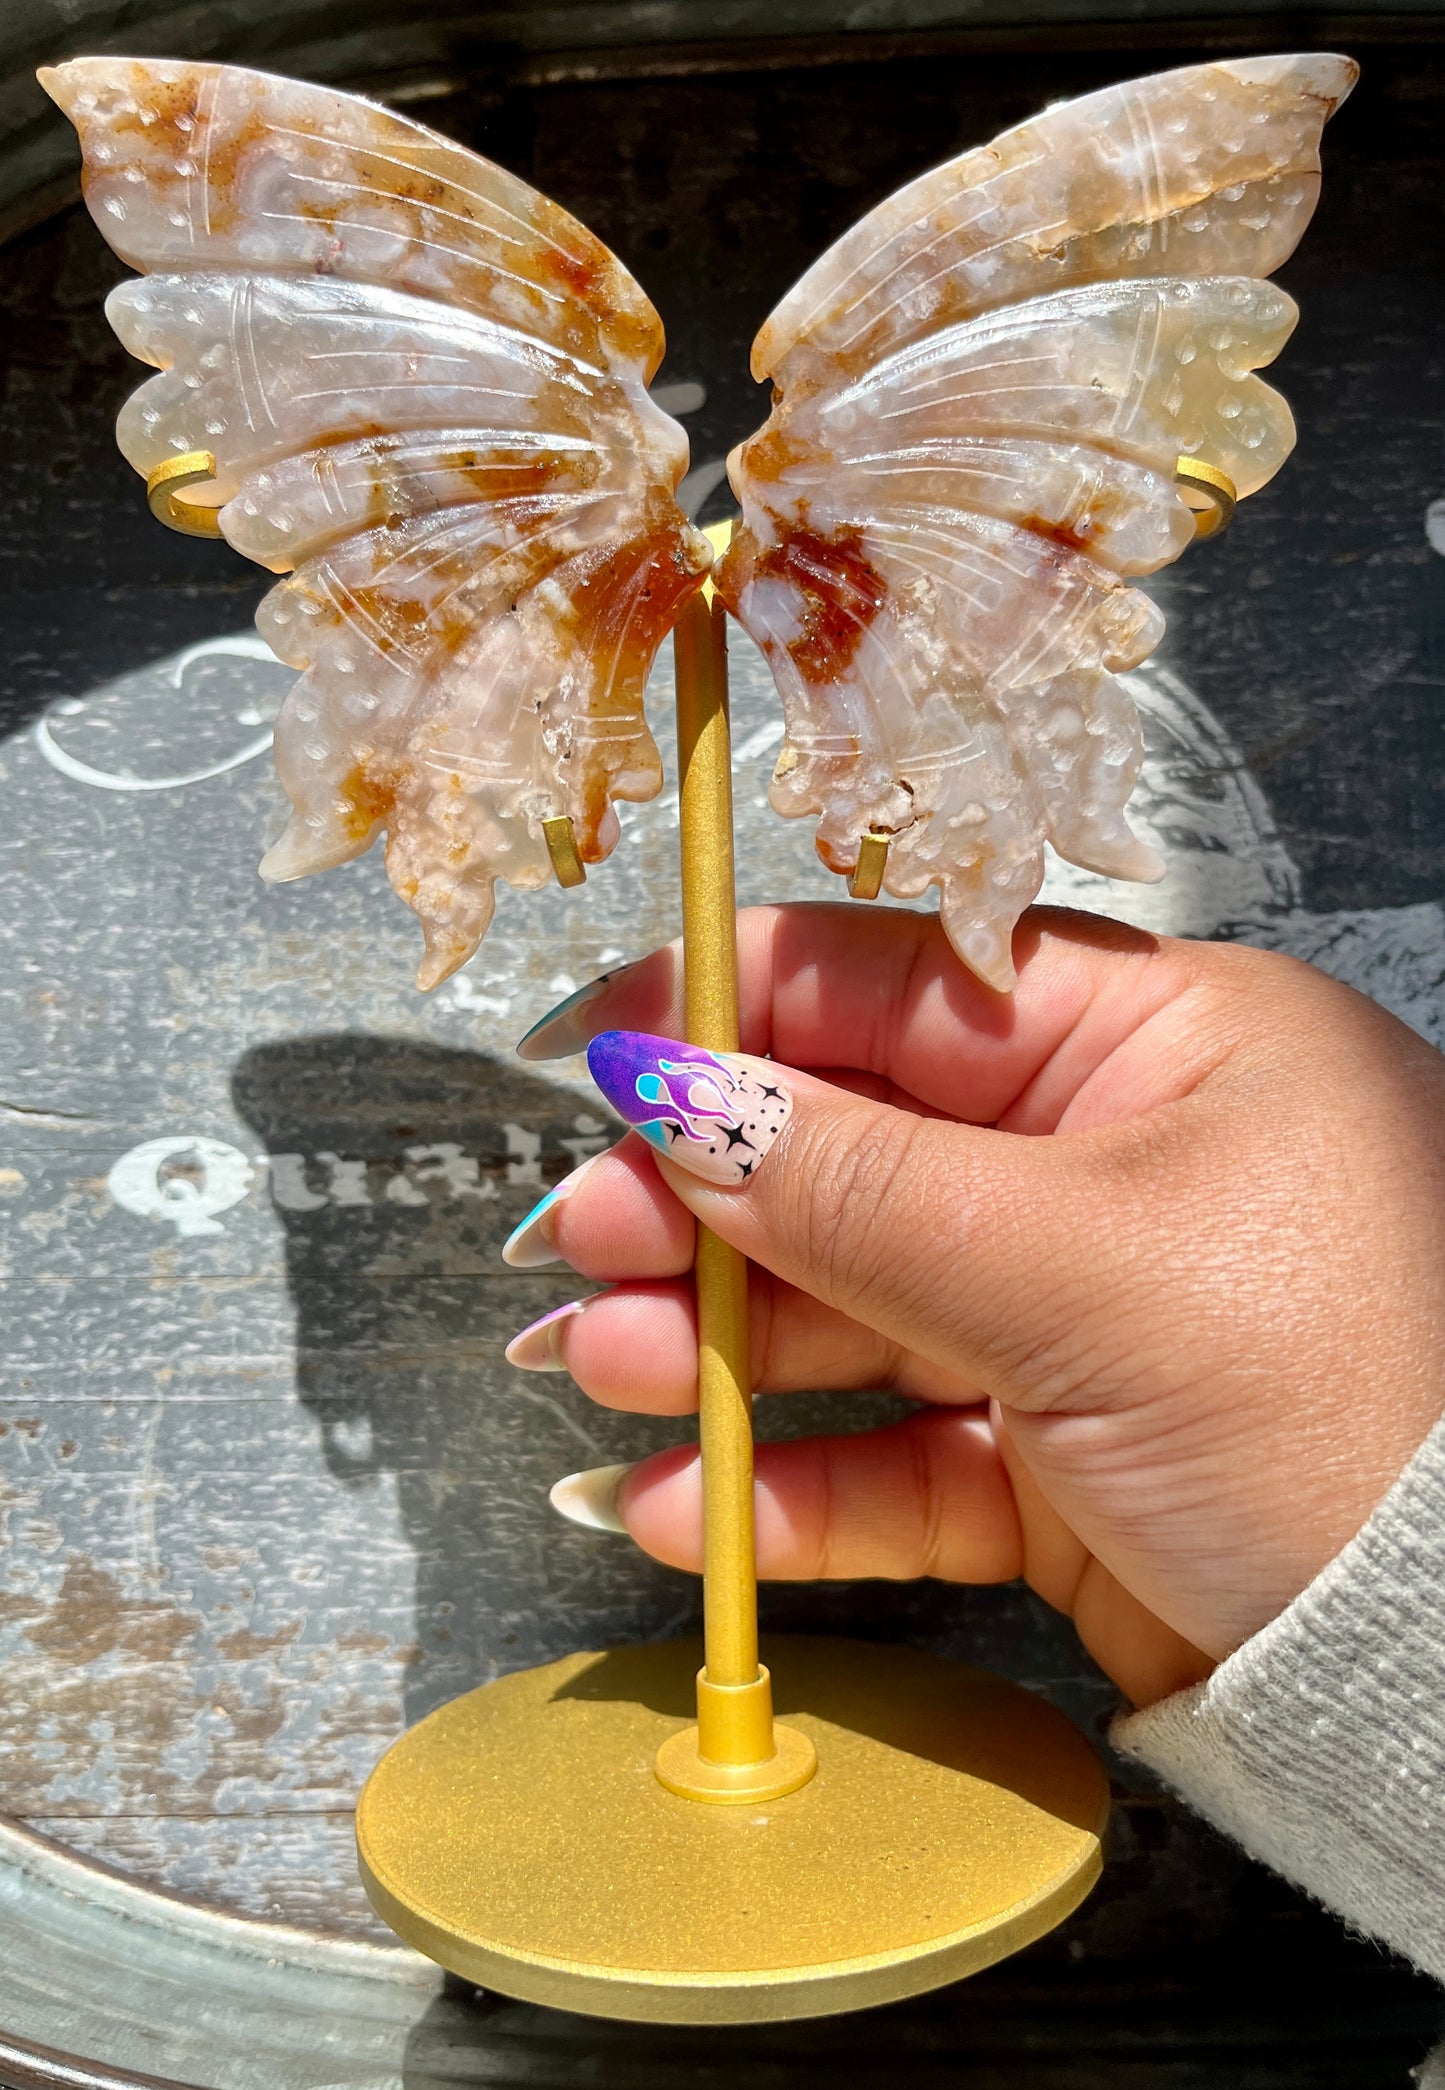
[{"x": 402, "y": 1311}]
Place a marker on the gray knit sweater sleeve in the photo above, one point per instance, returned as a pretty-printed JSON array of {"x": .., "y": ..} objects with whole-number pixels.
[{"x": 1320, "y": 1745}]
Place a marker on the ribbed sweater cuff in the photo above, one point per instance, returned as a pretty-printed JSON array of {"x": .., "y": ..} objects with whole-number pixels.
[{"x": 1320, "y": 1745}]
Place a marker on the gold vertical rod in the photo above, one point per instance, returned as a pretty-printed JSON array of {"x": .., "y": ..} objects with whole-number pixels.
[{"x": 709, "y": 939}]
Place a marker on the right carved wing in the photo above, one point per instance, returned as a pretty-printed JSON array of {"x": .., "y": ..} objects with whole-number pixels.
[
  {"x": 982, "y": 395},
  {"x": 422, "y": 387}
]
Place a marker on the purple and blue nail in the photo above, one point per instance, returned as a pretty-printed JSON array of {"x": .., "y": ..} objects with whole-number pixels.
[{"x": 715, "y": 1113}]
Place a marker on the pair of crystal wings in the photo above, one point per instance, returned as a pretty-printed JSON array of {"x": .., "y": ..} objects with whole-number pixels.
[{"x": 418, "y": 389}]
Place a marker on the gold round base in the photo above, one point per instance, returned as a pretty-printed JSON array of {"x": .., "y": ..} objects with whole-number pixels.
[{"x": 520, "y": 1837}]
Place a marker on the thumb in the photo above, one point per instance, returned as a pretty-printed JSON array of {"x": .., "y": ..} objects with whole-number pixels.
[{"x": 996, "y": 1254}]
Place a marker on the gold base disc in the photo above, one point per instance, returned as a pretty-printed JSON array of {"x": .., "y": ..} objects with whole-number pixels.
[{"x": 520, "y": 1837}]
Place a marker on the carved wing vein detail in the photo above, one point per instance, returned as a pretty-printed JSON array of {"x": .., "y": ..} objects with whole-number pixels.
[
  {"x": 980, "y": 396},
  {"x": 425, "y": 388}
]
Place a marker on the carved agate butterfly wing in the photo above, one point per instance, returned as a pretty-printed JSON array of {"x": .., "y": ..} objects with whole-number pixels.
[
  {"x": 423, "y": 388},
  {"x": 981, "y": 395}
]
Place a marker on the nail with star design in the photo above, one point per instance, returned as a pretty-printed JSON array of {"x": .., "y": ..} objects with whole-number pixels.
[{"x": 716, "y": 1113}]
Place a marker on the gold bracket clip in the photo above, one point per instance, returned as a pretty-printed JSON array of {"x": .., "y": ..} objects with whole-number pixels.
[
  {"x": 866, "y": 879},
  {"x": 719, "y": 535},
  {"x": 562, "y": 848},
  {"x": 1218, "y": 491},
  {"x": 165, "y": 486}
]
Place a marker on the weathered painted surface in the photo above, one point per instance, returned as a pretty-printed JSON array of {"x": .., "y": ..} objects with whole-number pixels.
[{"x": 267, "y": 1489}]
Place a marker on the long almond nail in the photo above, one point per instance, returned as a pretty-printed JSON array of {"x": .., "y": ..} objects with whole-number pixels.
[
  {"x": 562, "y": 1030},
  {"x": 716, "y": 1113},
  {"x": 537, "y": 1347},
  {"x": 590, "y": 1498},
  {"x": 529, "y": 1246}
]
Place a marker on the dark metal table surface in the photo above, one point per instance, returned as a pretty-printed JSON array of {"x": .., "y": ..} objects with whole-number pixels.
[{"x": 268, "y": 1490}]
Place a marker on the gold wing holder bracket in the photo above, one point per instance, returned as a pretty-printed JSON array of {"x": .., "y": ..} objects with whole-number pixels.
[
  {"x": 167, "y": 485},
  {"x": 865, "y": 880},
  {"x": 1211, "y": 494},
  {"x": 561, "y": 839}
]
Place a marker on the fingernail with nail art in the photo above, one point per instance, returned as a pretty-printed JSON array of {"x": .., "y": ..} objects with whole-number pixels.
[
  {"x": 591, "y": 1498},
  {"x": 529, "y": 1245},
  {"x": 716, "y": 1113},
  {"x": 562, "y": 1031},
  {"x": 538, "y": 1347}
]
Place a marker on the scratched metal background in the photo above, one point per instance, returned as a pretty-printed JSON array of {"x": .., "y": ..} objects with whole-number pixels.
[{"x": 268, "y": 1491}]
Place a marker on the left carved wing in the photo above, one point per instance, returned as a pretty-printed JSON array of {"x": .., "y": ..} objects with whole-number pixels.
[
  {"x": 981, "y": 395},
  {"x": 422, "y": 391}
]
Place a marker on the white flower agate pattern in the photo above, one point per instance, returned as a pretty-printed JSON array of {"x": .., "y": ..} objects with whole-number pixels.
[
  {"x": 425, "y": 389},
  {"x": 980, "y": 396}
]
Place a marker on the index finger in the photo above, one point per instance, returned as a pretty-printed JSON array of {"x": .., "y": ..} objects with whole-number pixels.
[{"x": 880, "y": 991}]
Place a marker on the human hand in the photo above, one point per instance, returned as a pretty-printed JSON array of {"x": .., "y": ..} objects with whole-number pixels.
[{"x": 1159, "y": 1243}]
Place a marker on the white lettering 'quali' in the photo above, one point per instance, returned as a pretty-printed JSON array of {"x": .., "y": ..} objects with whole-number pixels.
[{"x": 186, "y": 1179}]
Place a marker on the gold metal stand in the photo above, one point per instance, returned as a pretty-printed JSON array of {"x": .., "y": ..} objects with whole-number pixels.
[
  {"x": 558, "y": 1836},
  {"x": 734, "y": 1753}
]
